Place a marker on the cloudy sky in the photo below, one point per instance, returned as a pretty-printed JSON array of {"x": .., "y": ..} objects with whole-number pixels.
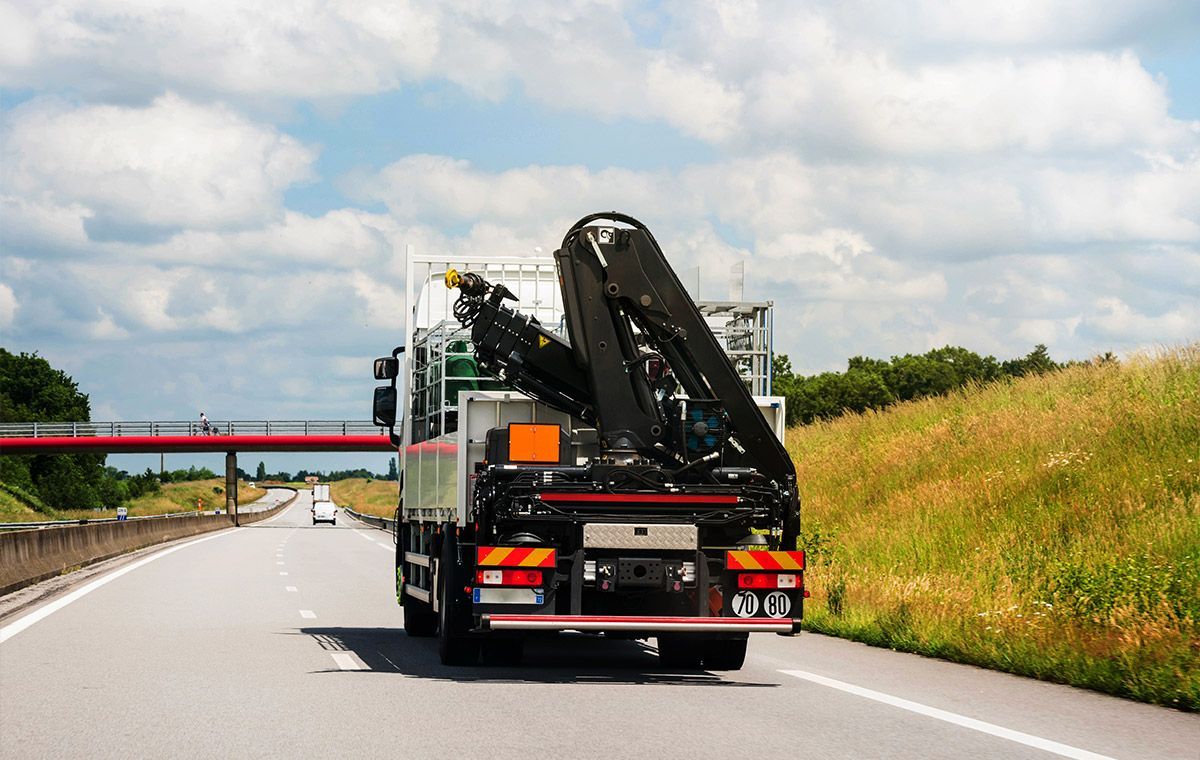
[{"x": 205, "y": 205}]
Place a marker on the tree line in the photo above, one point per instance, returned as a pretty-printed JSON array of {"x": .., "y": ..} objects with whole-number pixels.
[
  {"x": 261, "y": 474},
  {"x": 878, "y": 383}
]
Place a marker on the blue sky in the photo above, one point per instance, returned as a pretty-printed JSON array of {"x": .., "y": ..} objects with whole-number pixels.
[{"x": 206, "y": 205}]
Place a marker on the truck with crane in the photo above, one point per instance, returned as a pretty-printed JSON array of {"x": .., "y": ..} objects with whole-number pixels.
[{"x": 591, "y": 458}]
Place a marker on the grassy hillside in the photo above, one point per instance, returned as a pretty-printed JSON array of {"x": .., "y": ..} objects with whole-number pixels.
[
  {"x": 173, "y": 497},
  {"x": 371, "y": 497},
  {"x": 13, "y": 509},
  {"x": 1048, "y": 526}
]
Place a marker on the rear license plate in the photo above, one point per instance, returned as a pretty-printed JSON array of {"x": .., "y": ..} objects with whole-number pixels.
[{"x": 507, "y": 596}]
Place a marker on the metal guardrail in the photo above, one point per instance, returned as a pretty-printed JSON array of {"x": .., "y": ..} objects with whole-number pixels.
[
  {"x": 216, "y": 427},
  {"x": 383, "y": 523},
  {"x": 94, "y": 520}
]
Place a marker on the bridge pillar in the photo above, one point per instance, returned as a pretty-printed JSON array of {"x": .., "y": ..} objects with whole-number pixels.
[{"x": 231, "y": 485}]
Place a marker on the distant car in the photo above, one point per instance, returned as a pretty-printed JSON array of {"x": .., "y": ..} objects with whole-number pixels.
[{"x": 324, "y": 511}]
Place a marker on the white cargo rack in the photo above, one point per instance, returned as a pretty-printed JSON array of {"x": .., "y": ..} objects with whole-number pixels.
[{"x": 744, "y": 329}]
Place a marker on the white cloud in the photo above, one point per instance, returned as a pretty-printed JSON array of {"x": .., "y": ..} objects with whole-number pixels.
[
  {"x": 294, "y": 50},
  {"x": 1116, "y": 320},
  {"x": 1008, "y": 77},
  {"x": 8, "y": 306},
  {"x": 169, "y": 165}
]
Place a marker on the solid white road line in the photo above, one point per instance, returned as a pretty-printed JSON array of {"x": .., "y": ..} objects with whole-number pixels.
[
  {"x": 346, "y": 661},
  {"x": 276, "y": 517},
  {"x": 290, "y": 588},
  {"x": 20, "y": 624},
  {"x": 308, "y": 614},
  {"x": 1028, "y": 740}
]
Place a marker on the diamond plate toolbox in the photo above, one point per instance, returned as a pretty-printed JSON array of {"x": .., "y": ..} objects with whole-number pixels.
[{"x": 639, "y": 536}]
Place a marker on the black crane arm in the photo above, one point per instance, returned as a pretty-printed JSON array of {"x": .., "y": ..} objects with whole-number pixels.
[{"x": 625, "y": 309}]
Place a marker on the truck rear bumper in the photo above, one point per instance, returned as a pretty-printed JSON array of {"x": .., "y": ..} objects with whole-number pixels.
[{"x": 631, "y": 623}]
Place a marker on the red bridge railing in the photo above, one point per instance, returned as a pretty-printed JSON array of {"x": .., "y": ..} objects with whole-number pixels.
[{"x": 176, "y": 428}]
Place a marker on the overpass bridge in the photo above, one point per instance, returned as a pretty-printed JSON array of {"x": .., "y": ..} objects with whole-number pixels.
[
  {"x": 189, "y": 437},
  {"x": 227, "y": 436}
]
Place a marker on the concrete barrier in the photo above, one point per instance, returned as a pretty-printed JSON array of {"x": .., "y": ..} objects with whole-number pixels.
[{"x": 29, "y": 556}]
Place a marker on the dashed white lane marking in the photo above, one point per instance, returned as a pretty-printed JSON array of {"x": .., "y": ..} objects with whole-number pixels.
[
  {"x": 278, "y": 563},
  {"x": 346, "y": 661},
  {"x": 290, "y": 588},
  {"x": 283, "y": 572},
  {"x": 308, "y": 614},
  {"x": 1019, "y": 737},
  {"x": 20, "y": 624}
]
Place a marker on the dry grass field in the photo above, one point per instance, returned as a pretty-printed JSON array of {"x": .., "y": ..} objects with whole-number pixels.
[
  {"x": 371, "y": 497},
  {"x": 173, "y": 497},
  {"x": 1048, "y": 526}
]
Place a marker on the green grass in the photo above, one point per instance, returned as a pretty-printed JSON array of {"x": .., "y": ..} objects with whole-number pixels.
[
  {"x": 1048, "y": 526},
  {"x": 13, "y": 509}
]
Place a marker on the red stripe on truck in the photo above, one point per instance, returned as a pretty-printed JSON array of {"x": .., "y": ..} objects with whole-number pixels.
[{"x": 641, "y": 498}]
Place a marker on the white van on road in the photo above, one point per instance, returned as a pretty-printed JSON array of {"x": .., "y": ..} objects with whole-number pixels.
[{"x": 324, "y": 511}]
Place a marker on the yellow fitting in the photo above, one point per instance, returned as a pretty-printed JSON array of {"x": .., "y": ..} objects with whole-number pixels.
[{"x": 453, "y": 278}]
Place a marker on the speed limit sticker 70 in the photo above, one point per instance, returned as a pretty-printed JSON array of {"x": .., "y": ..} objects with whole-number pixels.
[
  {"x": 744, "y": 604},
  {"x": 776, "y": 604}
]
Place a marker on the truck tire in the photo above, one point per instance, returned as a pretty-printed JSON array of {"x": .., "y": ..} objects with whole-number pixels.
[
  {"x": 725, "y": 654},
  {"x": 455, "y": 645},
  {"x": 683, "y": 652},
  {"x": 420, "y": 621}
]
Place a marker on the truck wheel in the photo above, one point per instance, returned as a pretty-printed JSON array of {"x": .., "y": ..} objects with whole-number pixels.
[
  {"x": 419, "y": 620},
  {"x": 506, "y": 651},
  {"x": 725, "y": 654},
  {"x": 683, "y": 652},
  {"x": 455, "y": 645}
]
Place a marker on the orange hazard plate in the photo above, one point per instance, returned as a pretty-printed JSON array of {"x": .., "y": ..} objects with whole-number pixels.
[
  {"x": 513, "y": 556},
  {"x": 743, "y": 560}
]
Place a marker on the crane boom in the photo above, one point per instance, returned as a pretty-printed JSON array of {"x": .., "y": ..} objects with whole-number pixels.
[{"x": 636, "y": 338}]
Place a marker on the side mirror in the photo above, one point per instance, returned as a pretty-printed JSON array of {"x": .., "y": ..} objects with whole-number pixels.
[
  {"x": 384, "y": 410},
  {"x": 387, "y": 368}
]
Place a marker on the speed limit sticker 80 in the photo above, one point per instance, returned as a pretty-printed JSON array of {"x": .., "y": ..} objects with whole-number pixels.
[{"x": 775, "y": 604}]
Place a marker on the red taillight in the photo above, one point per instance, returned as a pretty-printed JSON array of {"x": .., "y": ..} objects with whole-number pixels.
[
  {"x": 769, "y": 580},
  {"x": 508, "y": 577}
]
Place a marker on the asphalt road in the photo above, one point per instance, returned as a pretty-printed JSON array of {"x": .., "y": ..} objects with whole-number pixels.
[{"x": 282, "y": 639}]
